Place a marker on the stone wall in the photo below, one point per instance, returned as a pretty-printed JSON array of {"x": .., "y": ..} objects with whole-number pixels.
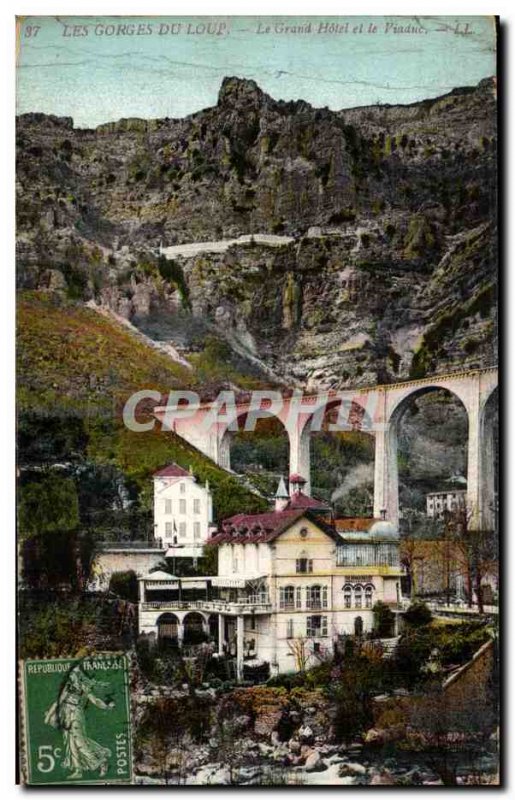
[
  {"x": 117, "y": 560},
  {"x": 471, "y": 681}
]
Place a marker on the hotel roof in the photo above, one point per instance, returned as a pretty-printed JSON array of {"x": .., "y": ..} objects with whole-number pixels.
[
  {"x": 173, "y": 471},
  {"x": 257, "y": 528}
]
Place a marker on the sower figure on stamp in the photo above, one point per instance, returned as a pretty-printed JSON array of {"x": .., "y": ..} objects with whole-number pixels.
[{"x": 67, "y": 714}]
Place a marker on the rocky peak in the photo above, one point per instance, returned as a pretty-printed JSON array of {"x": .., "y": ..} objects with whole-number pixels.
[{"x": 240, "y": 92}]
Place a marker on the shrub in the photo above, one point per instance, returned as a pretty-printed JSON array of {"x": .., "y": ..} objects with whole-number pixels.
[
  {"x": 418, "y": 614},
  {"x": 412, "y": 653},
  {"x": 383, "y": 619},
  {"x": 125, "y": 585},
  {"x": 48, "y": 506}
]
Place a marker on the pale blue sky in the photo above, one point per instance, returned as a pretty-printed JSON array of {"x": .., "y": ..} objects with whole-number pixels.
[{"x": 96, "y": 77}]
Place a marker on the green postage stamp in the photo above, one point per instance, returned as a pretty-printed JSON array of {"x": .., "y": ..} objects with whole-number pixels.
[{"x": 77, "y": 720}]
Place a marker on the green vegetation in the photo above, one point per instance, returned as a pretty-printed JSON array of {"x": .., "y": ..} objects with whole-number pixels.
[
  {"x": 172, "y": 272},
  {"x": 420, "y": 239},
  {"x": 347, "y": 214},
  {"x": 445, "y": 326},
  {"x": 417, "y": 614},
  {"x": 48, "y": 506},
  {"x": 383, "y": 619},
  {"x": 124, "y": 585},
  {"x": 71, "y": 359},
  {"x": 75, "y": 372},
  {"x": 52, "y": 625},
  {"x": 361, "y": 675},
  {"x": 292, "y": 299},
  {"x": 57, "y": 560},
  {"x": 425, "y": 649}
]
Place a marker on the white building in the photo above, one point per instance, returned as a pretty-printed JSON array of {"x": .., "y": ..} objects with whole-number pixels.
[
  {"x": 437, "y": 503},
  {"x": 289, "y": 584},
  {"x": 183, "y": 512}
]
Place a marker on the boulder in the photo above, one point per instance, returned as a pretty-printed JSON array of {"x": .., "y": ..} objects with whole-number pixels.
[
  {"x": 314, "y": 762},
  {"x": 382, "y": 778},
  {"x": 305, "y": 734},
  {"x": 351, "y": 768},
  {"x": 374, "y": 736}
]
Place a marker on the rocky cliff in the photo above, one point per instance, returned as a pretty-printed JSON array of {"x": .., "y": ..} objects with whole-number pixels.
[{"x": 387, "y": 265}]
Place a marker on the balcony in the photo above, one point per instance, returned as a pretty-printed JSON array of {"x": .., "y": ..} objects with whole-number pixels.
[
  {"x": 259, "y": 604},
  {"x": 154, "y": 546}
]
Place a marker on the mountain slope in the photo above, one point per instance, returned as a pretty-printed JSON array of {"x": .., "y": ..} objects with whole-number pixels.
[
  {"x": 75, "y": 372},
  {"x": 392, "y": 212}
]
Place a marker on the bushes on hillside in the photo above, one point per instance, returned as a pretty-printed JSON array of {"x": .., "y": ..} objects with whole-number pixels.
[
  {"x": 417, "y": 614},
  {"x": 384, "y": 620},
  {"x": 124, "y": 585}
]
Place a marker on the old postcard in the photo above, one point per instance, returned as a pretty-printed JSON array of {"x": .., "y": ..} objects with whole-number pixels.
[{"x": 257, "y": 401}]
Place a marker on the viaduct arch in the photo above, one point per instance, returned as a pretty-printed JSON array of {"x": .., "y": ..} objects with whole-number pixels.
[{"x": 376, "y": 410}]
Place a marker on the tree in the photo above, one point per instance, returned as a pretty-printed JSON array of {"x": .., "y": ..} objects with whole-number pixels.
[
  {"x": 299, "y": 648},
  {"x": 417, "y": 614},
  {"x": 125, "y": 585},
  {"x": 476, "y": 552},
  {"x": 446, "y": 724},
  {"x": 361, "y": 675},
  {"x": 411, "y": 655},
  {"x": 48, "y": 506},
  {"x": 384, "y": 619},
  {"x": 49, "y": 560},
  {"x": 408, "y": 555}
]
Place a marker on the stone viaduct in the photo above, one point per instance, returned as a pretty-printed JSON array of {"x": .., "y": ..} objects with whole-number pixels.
[{"x": 376, "y": 410}]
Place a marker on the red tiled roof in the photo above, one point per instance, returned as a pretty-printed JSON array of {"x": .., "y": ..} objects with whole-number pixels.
[
  {"x": 172, "y": 471},
  {"x": 296, "y": 478},
  {"x": 301, "y": 500},
  {"x": 354, "y": 523},
  {"x": 255, "y": 528}
]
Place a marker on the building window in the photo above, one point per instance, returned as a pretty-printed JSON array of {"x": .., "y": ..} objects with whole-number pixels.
[
  {"x": 183, "y": 488},
  {"x": 368, "y": 596},
  {"x": 182, "y": 529},
  {"x": 289, "y": 629},
  {"x": 168, "y": 529},
  {"x": 286, "y": 597},
  {"x": 316, "y": 597},
  {"x": 196, "y": 530},
  {"x": 347, "y": 596},
  {"x": 299, "y": 597},
  {"x": 182, "y": 506},
  {"x": 168, "y": 506},
  {"x": 196, "y": 505},
  {"x": 316, "y": 627},
  {"x": 356, "y": 555},
  {"x": 304, "y": 565},
  {"x": 388, "y": 555},
  {"x": 358, "y": 597}
]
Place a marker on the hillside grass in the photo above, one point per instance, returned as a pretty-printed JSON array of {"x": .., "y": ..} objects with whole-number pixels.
[
  {"x": 77, "y": 369},
  {"x": 67, "y": 355}
]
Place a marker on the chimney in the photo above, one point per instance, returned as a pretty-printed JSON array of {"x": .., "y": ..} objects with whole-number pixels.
[{"x": 297, "y": 482}]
